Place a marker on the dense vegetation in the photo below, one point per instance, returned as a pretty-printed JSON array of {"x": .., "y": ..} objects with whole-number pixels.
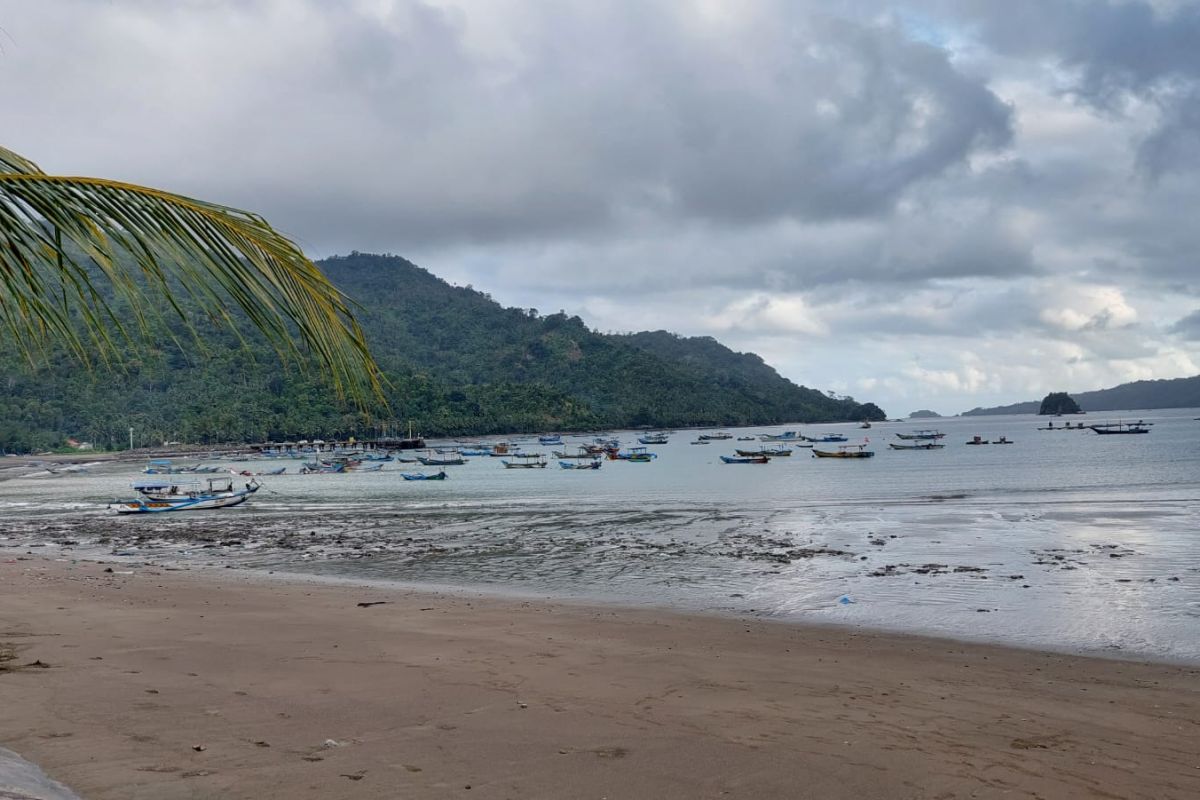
[
  {"x": 458, "y": 363},
  {"x": 1171, "y": 393},
  {"x": 1058, "y": 403}
]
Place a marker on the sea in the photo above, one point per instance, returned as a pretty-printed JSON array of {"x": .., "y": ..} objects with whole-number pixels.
[{"x": 1063, "y": 540}]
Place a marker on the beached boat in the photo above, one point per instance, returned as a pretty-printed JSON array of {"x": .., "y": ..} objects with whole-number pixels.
[
  {"x": 845, "y": 451},
  {"x": 572, "y": 465},
  {"x": 423, "y": 476},
  {"x": 917, "y": 446},
  {"x": 746, "y": 459},
  {"x": 922, "y": 435},
  {"x": 1108, "y": 428},
  {"x": 157, "y": 497}
]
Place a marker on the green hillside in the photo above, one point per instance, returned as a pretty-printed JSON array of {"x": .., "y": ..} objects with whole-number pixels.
[
  {"x": 457, "y": 362},
  {"x": 1169, "y": 393}
]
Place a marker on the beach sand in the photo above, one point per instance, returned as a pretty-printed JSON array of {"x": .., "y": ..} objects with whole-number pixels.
[{"x": 165, "y": 684}]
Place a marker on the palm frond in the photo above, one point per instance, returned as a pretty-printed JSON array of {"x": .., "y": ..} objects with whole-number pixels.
[{"x": 223, "y": 257}]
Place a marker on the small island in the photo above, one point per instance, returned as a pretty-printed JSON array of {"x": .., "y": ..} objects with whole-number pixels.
[
  {"x": 924, "y": 413},
  {"x": 1059, "y": 403}
]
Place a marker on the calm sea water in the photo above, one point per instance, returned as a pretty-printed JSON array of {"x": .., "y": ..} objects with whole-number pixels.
[{"x": 1063, "y": 540}]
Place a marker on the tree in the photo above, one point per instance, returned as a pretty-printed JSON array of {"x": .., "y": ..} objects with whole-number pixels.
[{"x": 62, "y": 237}]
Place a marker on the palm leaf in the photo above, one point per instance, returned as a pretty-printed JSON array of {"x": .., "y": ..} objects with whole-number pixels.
[{"x": 224, "y": 258}]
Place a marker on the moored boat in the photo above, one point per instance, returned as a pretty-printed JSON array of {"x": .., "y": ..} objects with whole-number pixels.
[
  {"x": 1109, "y": 428},
  {"x": 786, "y": 436},
  {"x": 845, "y": 451},
  {"x": 773, "y": 452},
  {"x": 746, "y": 459},
  {"x": 589, "y": 465},
  {"x": 424, "y": 476},
  {"x": 922, "y": 435},
  {"x": 528, "y": 464},
  {"x": 917, "y": 446}
]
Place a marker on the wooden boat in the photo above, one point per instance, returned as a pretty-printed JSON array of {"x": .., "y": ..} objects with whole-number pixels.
[
  {"x": 827, "y": 438},
  {"x": 582, "y": 453},
  {"x": 715, "y": 437},
  {"x": 1003, "y": 440},
  {"x": 922, "y": 435},
  {"x": 653, "y": 438},
  {"x": 442, "y": 461},
  {"x": 701, "y": 441},
  {"x": 590, "y": 465},
  {"x": 786, "y": 436},
  {"x": 845, "y": 451},
  {"x": 167, "y": 497},
  {"x": 746, "y": 459},
  {"x": 777, "y": 452},
  {"x": 550, "y": 440},
  {"x": 1109, "y": 428},
  {"x": 635, "y": 454},
  {"x": 917, "y": 446},
  {"x": 524, "y": 464},
  {"x": 865, "y": 425},
  {"x": 322, "y": 467},
  {"x": 745, "y": 438},
  {"x": 423, "y": 476},
  {"x": 977, "y": 440}
]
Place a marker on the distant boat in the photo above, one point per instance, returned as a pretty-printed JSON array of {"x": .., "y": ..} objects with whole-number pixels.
[
  {"x": 701, "y": 441},
  {"x": 653, "y": 438},
  {"x": 786, "y": 436},
  {"x": 581, "y": 453},
  {"x": 550, "y": 440},
  {"x": 922, "y": 435},
  {"x": 590, "y": 465},
  {"x": 845, "y": 451},
  {"x": 827, "y": 438},
  {"x": 745, "y": 438},
  {"x": 442, "y": 461},
  {"x": 422, "y": 476},
  {"x": 865, "y": 424},
  {"x": 917, "y": 446},
  {"x": 777, "y": 452},
  {"x": 977, "y": 440},
  {"x": 715, "y": 437},
  {"x": 746, "y": 459},
  {"x": 540, "y": 464},
  {"x": 1107, "y": 428},
  {"x": 1003, "y": 440}
]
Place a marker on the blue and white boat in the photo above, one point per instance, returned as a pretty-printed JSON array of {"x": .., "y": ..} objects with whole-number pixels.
[
  {"x": 162, "y": 496},
  {"x": 786, "y": 436}
]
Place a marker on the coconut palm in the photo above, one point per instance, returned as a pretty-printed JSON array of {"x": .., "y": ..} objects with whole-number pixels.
[{"x": 62, "y": 238}]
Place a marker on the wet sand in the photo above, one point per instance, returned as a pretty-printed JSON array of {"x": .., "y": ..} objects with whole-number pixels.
[{"x": 170, "y": 684}]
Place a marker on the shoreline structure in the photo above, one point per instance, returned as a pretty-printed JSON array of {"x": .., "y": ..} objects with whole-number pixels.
[{"x": 152, "y": 682}]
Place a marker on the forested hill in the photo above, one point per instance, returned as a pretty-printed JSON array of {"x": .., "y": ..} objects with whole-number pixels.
[
  {"x": 1172, "y": 393},
  {"x": 457, "y": 362}
]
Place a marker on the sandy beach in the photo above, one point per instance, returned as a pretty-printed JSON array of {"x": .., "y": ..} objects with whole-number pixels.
[{"x": 145, "y": 682}]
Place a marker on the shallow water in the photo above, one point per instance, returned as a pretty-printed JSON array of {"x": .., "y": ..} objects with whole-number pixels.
[{"x": 1063, "y": 540}]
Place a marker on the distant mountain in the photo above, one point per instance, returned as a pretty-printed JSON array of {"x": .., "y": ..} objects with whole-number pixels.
[
  {"x": 457, "y": 364},
  {"x": 1169, "y": 393}
]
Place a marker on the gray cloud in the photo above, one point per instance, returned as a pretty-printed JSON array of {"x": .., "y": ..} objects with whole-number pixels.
[{"x": 1188, "y": 327}]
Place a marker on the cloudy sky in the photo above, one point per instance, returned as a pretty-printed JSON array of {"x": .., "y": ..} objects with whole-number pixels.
[{"x": 933, "y": 203}]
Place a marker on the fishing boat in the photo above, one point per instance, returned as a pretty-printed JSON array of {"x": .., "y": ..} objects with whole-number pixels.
[
  {"x": 701, "y": 441},
  {"x": 360, "y": 467},
  {"x": 653, "y": 438},
  {"x": 550, "y": 440},
  {"x": 159, "y": 497},
  {"x": 539, "y": 464},
  {"x": 786, "y": 436},
  {"x": 454, "y": 460},
  {"x": 572, "y": 465},
  {"x": 1108, "y": 428},
  {"x": 917, "y": 446},
  {"x": 745, "y": 438},
  {"x": 715, "y": 437},
  {"x": 1003, "y": 440},
  {"x": 845, "y": 451},
  {"x": 423, "y": 476},
  {"x": 774, "y": 452},
  {"x": 977, "y": 439},
  {"x": 581, "y": 453},
  {"x": 636, "y": 454},
  {"x": 322, "y": 467},
  {"x": 922, "y": 435},
  {"x": 746, "y": 459},
  {"x": 865, "y": 425},
  {"x": 826, "y": 439}
]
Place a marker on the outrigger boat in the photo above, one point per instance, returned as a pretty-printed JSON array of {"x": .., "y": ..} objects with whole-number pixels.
[
  {"x": 442, "y": 461},
  {"x": 421, "y": 476},
  {"x": 590, "y": 465},
  {"x": 827, "y": 438},
  {"x": 715, "y": 437},
  {"x": 166, "y": 496},
  {"x": 746, "y": 459},
  {"x": 922, "y": 435},
  {"x": 845, "y": 451},
  {"x": 777, "y": 452},
  {"x": 653, "y": 438},
  {"x": 786, "y": 436},
  {"x": 917, "y": 446},
  {"x": 539, "y": 464},
  {"x": 583, "y": 452},
  {"x": 1107, "y": 428}
]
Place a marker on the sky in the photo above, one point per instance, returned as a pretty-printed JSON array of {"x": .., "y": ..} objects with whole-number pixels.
[{"x": 929, "y": 204}]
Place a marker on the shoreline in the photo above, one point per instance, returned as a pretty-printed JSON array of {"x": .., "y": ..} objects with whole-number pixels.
[{"x": 291, "y": 689}]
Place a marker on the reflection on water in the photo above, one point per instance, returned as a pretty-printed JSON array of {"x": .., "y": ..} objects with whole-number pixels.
[{"x": 1062, "y": 540}]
